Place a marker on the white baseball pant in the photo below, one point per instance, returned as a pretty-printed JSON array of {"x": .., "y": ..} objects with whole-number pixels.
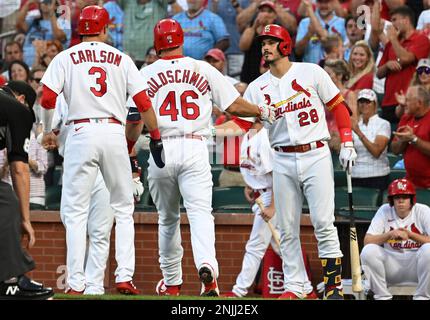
[
  {"x": 187, "y": 173},
  {"x": 383, "y": 268},
  {"x": 91, "y": 146},
  {"x": 100, "y": 221},
  {"x": 309, "y": 174},
  {"x": 256, "y": 247}
]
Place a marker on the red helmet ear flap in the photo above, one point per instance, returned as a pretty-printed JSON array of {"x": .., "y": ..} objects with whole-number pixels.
[{"x": 279, "y": 33}]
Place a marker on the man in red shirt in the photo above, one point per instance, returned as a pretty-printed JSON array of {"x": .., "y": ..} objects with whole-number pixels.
[
  {"x": 401, "y": 54},
  {"x": 412, "y": 137}
]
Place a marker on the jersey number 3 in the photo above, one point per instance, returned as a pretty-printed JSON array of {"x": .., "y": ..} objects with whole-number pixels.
[
  {"x": 100, "y": 80},
  {"x": 189, "y": 110}
]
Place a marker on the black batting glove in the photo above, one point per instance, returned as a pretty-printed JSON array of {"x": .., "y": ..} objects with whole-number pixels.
[{"x": 156, "y": 147}]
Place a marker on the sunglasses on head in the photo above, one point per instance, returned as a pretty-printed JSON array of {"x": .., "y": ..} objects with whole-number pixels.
[{"x": 421, "y": 70}]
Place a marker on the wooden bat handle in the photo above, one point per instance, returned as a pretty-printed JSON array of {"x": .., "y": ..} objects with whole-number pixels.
[{"x": 275, "y": 235}]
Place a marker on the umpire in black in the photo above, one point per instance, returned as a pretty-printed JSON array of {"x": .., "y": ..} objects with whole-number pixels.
[{"x": 16, "y": 121}]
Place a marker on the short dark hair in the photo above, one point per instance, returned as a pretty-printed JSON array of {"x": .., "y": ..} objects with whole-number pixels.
[{"x": 404, "y": 11}]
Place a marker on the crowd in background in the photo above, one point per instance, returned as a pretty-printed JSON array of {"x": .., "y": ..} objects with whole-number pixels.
[{"x": 376, "y": 52}]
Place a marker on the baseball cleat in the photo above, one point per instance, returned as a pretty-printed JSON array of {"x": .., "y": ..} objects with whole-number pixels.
[
  {"x": 289, "y": 295},
  {"x": 209, "y": 283},
  {"x": 229, "y": 294},
  {"x": 163, "y": 290},
  {"x": 333, "y": 294},
  {"x": 127, "y": 288},
  {"x": 72, "y": 292}
]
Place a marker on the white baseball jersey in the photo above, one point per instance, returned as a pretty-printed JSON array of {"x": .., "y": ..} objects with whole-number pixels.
[
  {"x": 386, "y": 219},
  {"x": 299, "y": 97},
  {"x": 100, "y": 77},
  {"x": 256, "y": 159},
  {"x": 189, "y": 109}
]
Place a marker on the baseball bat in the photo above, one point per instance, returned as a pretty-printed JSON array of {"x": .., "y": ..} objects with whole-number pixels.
[
  {"x": 275, "y": 235},
  {"x": 353, "y": 241}
]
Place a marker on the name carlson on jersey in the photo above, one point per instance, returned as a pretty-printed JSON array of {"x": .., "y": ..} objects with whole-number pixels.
[
  {"x": 93, "y": 56},
  {"x": 178, "y": 76}
]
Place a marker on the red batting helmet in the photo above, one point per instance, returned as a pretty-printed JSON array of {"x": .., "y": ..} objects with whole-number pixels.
[
  {"x": 399, "y": 187},
  {"x": 279, "y": 33},
  {"x": 92, "y": 20},
  {"x": 167, "y": 34}
]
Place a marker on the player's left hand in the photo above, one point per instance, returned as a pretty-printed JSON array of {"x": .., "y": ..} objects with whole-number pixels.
[
  {"x": 138, "y": 189},
  {"x": 156, "y": 147},
  {"x": 267, "y": 112},
  {"x": 347, "y": 156}
]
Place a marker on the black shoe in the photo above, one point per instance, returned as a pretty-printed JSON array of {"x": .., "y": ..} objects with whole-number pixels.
[{"x": 24, "y": 289}]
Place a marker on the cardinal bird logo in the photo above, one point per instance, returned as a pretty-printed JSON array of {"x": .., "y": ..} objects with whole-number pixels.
[
  {"x": 267, "y": 99},
  {"x": 414, "y": 229},
  {"x": 299, "y": 88}
]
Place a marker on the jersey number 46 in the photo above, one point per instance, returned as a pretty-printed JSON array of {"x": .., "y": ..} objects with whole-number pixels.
[{"x": 189, "y": 110}]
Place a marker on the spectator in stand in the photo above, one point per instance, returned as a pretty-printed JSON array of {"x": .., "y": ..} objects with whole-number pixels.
[
  {"x": 12, "y": 52},
  {"x": 333, "y": 49},
  {"x": 353, "y": 33},
  {"x": 412, "y": 137},
  {"x": 151, "y": 57},
  {"x": 341, "y": 8},
  {"x": 339, "y": 73},
  {"x": 285, "y": 11},
  {"x": 421, "y": 77},
  {"x": 385, "y": 6},
  {"x": 267, "y": 13},
  {"x": 203, "y": 30},
  {"x": 406, "y": 46},
  {"x": 371, "y": 135},
  {"x": 19, "y": 70},
  {"x": 140, "y": 17},
  {"x": 46, "y": 51},
  {"x": 36, "y": 75},
  {"x": 424, "y": 19},
  {"x": 228, "y": 11},
  {"x": 362, "y": 67},
  {"x": 314, "y": 30},
  {"x": 116, "y": 26},
  {"x": 216, "y": 58},
  {"x": 45, "y": 27}
]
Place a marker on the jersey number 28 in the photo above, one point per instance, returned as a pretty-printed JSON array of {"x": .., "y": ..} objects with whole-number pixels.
[{"x": 189, "y": 110}]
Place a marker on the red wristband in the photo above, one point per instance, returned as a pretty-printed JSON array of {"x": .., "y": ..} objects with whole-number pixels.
[
  {"x": 345, "y": 134},
  {"x": 130, "y": 145},
  {"x": 155, "y": 134}
]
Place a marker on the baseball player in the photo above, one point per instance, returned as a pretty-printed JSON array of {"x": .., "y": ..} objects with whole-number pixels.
[
  {"x": 397, "y": 245},
  {"x": 95, "y": 79},
  {"x": 182, "y": 90},
  {"x": 100, "y": 216},
  {"x": 302, "y": 160},
  {"x": 256, "y": 161}
]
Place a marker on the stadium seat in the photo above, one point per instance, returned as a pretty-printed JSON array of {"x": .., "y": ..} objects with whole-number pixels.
[
  {"x": 423, "y": 196},
  {"x": 339, "y": 178},
  {"x": 397, "y": 174},
  {"x": 53, "y": 197},
  {"x": 392, "y": 158},
  {"x": 142, "y": 158},
  {"x": 216, "y": 171},
  {"x": 229, "y": 198},
  {"x": 366, "y": 201}
]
